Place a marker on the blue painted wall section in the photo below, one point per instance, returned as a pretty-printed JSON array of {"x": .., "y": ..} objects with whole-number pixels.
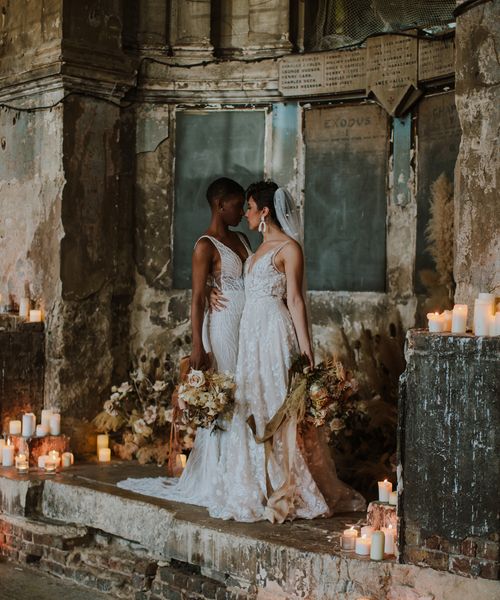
[
  {"x": 402, "y": 159},
  {"x": 285, "y": 124}
]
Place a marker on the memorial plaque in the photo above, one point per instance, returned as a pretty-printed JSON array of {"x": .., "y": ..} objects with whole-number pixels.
[
  {"x": 302, "y": 75},
  {"x": 436, "y": 58},
  {"x": 345, "y": 71},
  {"x": 345, "y": 197},
  {"x": 391, "y": 70}
]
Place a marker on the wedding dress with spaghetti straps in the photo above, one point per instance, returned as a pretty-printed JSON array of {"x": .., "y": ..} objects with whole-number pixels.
[
  {"x": 220, "y": 337},
  {"x": 245, "y": 488}
]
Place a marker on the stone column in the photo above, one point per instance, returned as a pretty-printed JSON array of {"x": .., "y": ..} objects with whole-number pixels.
[
  {"x": 250, "y": 27},
  {"x": 190, "y": 28},
  {"x": 146, "y": 26},
  {"x": 477, "y": 214}
]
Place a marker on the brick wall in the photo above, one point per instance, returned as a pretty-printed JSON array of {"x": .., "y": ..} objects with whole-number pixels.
[
  {"x": 22, "y": 366},
  {"x": 108, "y": 564}
]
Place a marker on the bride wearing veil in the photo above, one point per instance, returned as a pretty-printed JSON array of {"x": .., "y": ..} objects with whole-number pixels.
[{"x": 254, "y": 481}]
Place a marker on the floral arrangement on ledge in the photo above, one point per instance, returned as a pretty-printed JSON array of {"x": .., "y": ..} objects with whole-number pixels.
[{"x": 139, "y": 411}]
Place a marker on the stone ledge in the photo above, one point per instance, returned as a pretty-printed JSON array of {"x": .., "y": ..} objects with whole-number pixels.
[{"x": 294, "y": 560}]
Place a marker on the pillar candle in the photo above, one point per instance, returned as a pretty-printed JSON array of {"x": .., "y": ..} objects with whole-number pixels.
[
  {"x": 447, "y": 317},
  {"x": 104, "y": 454},
  {"x": 393, "y": 498},
  {"x": 66, "y": 459},
  {"x": 41, "y": 461},
  {"x": 24, "y": 307},
  {"x": 42, "y": 430},
  {"x": 367, "y": 531},
  {"x": 459, "y": 318},
  {"x": 15, "y": 427},
  {"x": 436, "y": 322},
  {"x": 377, "y": 545},
  {"x": 389, "y": 533},
  {"x": 55, "y": 424},
  {"x": 384, "y": 489},
  {"x": 363, "y": 545},
  {"x": 35, "y": 316},
  {"x": 2, "y": 444},
  {"x": 29, "y": 424},
  {"x": 348, "y": 539},
  {"x": 496, "y": 330},
  {"x": 482, "y": 312},
  {"x": 8, "y": 455},
  {"x": 102, "y": 441},
  {"x": 46, "y": 413}
]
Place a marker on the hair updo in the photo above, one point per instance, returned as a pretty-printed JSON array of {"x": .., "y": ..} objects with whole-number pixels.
[{"x": 263, "y": 194}]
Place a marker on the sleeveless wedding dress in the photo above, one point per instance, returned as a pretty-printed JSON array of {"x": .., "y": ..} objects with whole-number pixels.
[
  {"x": 250, "y": 486},
  {"x": 220, "y": 337}
]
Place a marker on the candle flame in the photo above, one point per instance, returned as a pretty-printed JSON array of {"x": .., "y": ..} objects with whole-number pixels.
[
  {"x": 352, "y": 528},
  {"x": 390, "y": 526},
  {"x": 385, "y": 480}
]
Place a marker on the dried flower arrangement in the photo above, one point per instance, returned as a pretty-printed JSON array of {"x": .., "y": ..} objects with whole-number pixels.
[
  {"x": 139, "y": 411},
  {"x": 204, "y": 397}
]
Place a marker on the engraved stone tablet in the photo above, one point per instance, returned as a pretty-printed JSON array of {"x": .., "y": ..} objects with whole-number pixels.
[
  {"x": 435, "y": 58},
  {"x": 345, "y": 71},
  {"x": 302, "y": 75},
  {"x": 391, "y": 70}
]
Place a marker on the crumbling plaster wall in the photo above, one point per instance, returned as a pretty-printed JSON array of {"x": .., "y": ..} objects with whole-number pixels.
[{"x": 477, "y": 214}]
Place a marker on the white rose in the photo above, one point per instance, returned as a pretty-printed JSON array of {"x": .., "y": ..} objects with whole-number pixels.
[{"x": 196, "y": 378}]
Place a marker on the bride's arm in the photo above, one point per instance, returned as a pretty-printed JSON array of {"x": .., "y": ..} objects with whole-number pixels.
[
  {"x": 293, "y": 261},
  {"x": 201, "y": 262}
]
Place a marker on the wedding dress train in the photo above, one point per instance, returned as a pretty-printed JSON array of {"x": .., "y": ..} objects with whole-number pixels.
[{"x": 220, "y": 337}]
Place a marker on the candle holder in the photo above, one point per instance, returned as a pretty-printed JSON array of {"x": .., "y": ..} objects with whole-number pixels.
[
  {"x": 23, "y": 468},
  {"x": 50, "y": 466}
]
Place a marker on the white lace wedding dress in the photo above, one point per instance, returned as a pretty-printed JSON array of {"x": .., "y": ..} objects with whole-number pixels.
[
  {"x": 220, "y": 337},
  {"x": 267, "y": 347}
]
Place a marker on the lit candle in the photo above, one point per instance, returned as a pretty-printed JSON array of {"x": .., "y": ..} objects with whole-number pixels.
[
  {"x": 104, "y": 454},
  {"x": 102, "y": 441},
  {"x": 2, "y": 444},
  {"x": 497, "y": 324},
  {"x": 447, "y": 317},
  {"x": 29, "y": 424},
  {"x": 35, "y": 316},
  {"x": 24, "y": 308},
  {"x": 8, "y": 455},
  {"x": 41, "y": 461},
  {"x": 459, "y": 318},
  {"x": 50, "y": 465},
  {"x": 389, "y": 533},
  {"x": 180, "y": 461},
  {"x": 22, "y": 463},
  {"x": 66, "y": 459},
  {"x": 377, "y": 545},
  {"x": 348, "y": 539},
  {"x": 46, "y": 413},
  {"x": 15, "y": 427},
  {"x": 436, "y": 322},
  {"x": 393, "y": 498},
  {"x": 363, "y": 545},
  {"x": 41, "y": 430},
  {"x": 367, "y": 531},
  {"x": 20, "y": 458},
  {"x": 384, "y": 489},
  {"x": 55, "y": 424}
]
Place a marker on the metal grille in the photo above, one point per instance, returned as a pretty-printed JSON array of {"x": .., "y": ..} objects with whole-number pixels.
[{"x": 333, "y": 24}]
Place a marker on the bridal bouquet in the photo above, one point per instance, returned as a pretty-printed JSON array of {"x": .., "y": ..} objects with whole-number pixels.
[
  {"x": 204, "y": 397},
  {"x": 323, "y": 395}
]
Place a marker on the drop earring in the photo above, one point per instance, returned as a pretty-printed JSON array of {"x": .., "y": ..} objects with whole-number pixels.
[{"x": 262, "y": 225}]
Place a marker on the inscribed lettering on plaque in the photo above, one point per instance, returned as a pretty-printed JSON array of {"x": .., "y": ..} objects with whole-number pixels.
[
  {"x": 345, "y": 71},
  {"x": 391, "y": 71},
  {"x": 436, "y": 58},
  {"x": 303, "y": 75}
]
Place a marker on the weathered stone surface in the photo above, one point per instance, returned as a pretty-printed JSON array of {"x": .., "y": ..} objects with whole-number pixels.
[
  {"x": 477, "y": 218},
  {"x": 450, "y": 397},
  {"x": 292, "y": 561}
]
